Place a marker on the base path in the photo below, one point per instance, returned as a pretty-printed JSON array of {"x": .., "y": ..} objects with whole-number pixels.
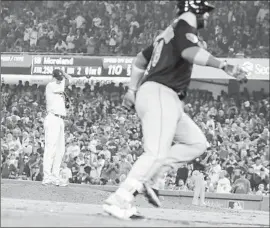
[{"x": 30, "y": 204}]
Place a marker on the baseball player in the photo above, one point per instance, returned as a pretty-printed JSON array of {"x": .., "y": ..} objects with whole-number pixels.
[
  {"x": 56, "y": 103},
  {"x": 160, "y": 77}
]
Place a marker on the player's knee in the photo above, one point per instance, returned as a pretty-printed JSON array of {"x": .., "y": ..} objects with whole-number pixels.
[
  {"x": 201, "y": 145},
  {"x": 154, "y": 158}
]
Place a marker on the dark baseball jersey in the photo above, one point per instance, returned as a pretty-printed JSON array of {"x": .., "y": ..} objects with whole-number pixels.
[{"x": 166, "y": 66}]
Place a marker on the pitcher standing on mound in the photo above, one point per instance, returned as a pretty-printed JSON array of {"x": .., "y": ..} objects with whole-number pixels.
[
  {"x": 160, "y": 77},
  {"x": 56, "y": 104}
]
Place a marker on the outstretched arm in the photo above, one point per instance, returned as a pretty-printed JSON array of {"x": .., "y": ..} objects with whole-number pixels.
[
  {"x": 200, "y": 56},
  {"x": 190, "y": 48}
]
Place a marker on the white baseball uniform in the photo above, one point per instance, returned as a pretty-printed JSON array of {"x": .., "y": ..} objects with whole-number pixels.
[{"x": 54, "y": 130}]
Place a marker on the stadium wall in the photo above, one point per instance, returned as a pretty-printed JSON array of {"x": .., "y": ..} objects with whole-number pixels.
[{"x": 247, "y": 202}]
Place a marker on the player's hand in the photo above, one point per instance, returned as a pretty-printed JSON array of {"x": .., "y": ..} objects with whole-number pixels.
[
  {"x": 129, "y": 100},
  {"x": 239, "y": 73}
]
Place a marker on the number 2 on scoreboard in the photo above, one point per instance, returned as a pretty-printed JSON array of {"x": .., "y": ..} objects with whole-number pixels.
[{"x": 79, "y": 70}]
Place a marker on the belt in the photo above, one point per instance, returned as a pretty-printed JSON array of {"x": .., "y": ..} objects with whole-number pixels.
[{"x": 59, "y": 116}]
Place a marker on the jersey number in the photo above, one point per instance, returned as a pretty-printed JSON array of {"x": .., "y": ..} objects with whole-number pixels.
[{"x": 164, "y": 38}]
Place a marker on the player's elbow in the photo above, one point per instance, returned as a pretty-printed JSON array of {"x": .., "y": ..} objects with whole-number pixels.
[
  {"x": 140, "y": 61},
  {"x": 196, "y": 55},
  {"x": 190, "y": 53}
]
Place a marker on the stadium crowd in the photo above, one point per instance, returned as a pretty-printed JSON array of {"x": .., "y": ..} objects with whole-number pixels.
[
  {"x": 125, "y": 27},
  {"x": 103, "y": 141}
]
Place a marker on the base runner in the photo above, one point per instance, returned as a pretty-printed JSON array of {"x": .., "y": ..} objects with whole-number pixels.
[
  {"x": 56, "y": 102},
  {"x": 159, "y": 81}
]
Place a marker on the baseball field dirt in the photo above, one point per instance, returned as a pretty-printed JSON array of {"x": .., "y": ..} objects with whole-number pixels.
[{"x": 26, "y": 203}]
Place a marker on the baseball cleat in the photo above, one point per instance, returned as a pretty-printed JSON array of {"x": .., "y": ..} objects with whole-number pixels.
[
  {"x": 152, "y": 195},
  {"x": 46, "y": 183},
  {"x": 56, "y": 183},
  {"x": 119, "y": 208},
  {"x": 120, "y": 213}
]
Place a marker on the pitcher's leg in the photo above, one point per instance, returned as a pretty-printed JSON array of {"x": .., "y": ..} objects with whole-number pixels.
[
  {"x": 51, "y": 140},
  {"x": 60, "y": 152}
]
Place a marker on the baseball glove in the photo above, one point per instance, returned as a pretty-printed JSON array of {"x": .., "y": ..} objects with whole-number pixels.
[
  {"x": 67, "y": 101},
  {"x": 239, "y": 73}
]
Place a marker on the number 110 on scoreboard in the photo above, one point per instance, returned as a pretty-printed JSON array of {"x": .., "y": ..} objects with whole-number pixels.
[
  {"x": 115, "y": 69},
  {"x": 118, "y": 69}
]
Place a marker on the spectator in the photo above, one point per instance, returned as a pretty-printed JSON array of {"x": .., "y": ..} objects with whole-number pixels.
[
  {"x": 90, "y": 45},
  {"x": 106, "y": 153},
  {"x": 209, "y": 186},
  {"x": 100, "y": 164},
  {"x": 230, "y": 163},
  {"x": 254, "y": 179},
  {"x": 241, "y": 185},
  {"x": 127, "y": 24},
  {"x": 94, "y": 163},
  {"x": 36, "y": 174},
  {"x": 264, "y": 175},
  {"x": 169, "y": 182},
  {"x": 190, "y": 184},
  {"x": 33, "y": 38},
  {"x": 75, "y": 170},
  {"x": 182, "y": 174},
  {"x": 87, "y": 165},
  {"x": 60, "y": 46},
  {"x": 82, "y": 177},
  {"x": 40, "y": 148},
  {"x": 261, "y": 191},
  {"x": 223, "y": 184},
  {"x": 79, "y": 41},
  {"x": 109, "y": 172},
  {"x": 124, "y": 165},
  {"x": 181, "y": 186},
  {"x": 9, "y": 170},
  {"x": 257, "y": 166},
  {"x": 70, "y": 41},
  {"x": 25, "y": 140},
  {"x": 73, "y": 149},
  {"x": 215, "y": 170}
]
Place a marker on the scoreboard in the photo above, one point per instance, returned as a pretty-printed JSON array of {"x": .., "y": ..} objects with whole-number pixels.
[{"x": 80, "y": 66}]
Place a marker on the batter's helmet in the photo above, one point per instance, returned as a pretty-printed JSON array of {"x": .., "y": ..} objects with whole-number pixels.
[
  {"x": 194, "y": 6},
  {"x": 57, "y": 74}
]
